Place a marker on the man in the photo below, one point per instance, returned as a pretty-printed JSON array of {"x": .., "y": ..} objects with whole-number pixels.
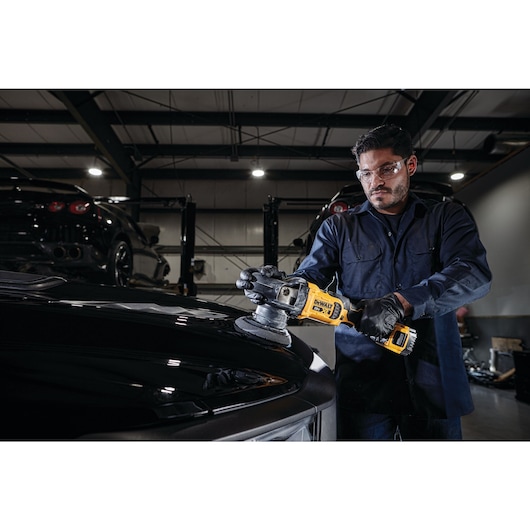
[{"x": 399, "y": 258}]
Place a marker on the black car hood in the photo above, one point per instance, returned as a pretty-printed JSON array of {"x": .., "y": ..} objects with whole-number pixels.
[{"x": 77, "y": 357}]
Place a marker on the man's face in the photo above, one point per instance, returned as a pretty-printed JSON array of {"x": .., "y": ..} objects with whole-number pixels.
[{"x": 387, "y": 190}]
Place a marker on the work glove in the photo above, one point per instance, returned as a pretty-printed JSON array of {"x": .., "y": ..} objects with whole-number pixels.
[
  {"x": 380, "y": 315},
  {"x": 246, "y": 279}
]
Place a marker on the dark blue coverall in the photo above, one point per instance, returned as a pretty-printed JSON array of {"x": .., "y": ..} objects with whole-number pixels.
[{"x": 436, "y": 260}]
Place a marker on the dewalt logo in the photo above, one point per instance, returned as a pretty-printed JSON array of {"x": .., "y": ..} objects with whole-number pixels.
[{"x": 323, "y": 304}]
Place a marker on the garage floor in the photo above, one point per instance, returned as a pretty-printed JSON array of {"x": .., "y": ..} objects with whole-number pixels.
[{"x": 497, "y": 416}]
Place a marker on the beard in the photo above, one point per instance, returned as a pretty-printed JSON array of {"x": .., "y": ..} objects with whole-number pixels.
[{"x": 391, "y": 199}]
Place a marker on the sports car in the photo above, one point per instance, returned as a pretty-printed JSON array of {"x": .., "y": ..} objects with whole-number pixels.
[
  {"x": 95, "y": 362},
  {"x": 51, "y": 227}
]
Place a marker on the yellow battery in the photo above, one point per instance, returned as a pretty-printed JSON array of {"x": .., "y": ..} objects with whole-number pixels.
[{"x": 330, "y": 309}]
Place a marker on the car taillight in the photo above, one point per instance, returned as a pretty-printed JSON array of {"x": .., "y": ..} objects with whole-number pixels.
[
  {"x": 79, "y": 207},
  {"x": 56, "y": 206},
  {"x": 338, "y": 207}
]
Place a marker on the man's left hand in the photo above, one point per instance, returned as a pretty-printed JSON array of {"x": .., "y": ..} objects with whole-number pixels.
[{"x": 380, "y": 315}]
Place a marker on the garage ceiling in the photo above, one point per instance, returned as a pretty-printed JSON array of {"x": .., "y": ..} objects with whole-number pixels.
[{"x": 142, "y": 135}]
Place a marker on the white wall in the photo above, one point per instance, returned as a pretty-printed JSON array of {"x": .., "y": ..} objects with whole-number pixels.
[
  {"x": 500, "y": 204},
  {"x": 227, "y": 229},
  {"x": 241, "y": 193}
]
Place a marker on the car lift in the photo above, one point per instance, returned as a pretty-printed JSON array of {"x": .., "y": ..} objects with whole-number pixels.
[
  {"x": 270, "y": 224},
  {"x": 185, "y": 284}
]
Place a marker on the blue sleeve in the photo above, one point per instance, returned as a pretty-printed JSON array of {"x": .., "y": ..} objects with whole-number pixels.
[
  {"x": 463, "y": 275},
  {"x": 321, "y": 264}
]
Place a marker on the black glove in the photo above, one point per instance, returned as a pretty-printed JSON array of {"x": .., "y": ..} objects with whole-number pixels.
[
  {"x": 272, "y": 272},
  {"x": 380, "y": 315},
  {"x": 246, "y": 279}
]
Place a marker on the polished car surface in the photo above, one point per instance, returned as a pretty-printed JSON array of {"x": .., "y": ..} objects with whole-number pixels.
[
  {"x": 95, "y": 362},
  {"x": 51, "y": 227}
]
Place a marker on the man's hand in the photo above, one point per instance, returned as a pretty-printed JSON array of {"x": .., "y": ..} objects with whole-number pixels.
[
  {"x": 380, "y": 315},
  {"x": 246, "y": 280}
]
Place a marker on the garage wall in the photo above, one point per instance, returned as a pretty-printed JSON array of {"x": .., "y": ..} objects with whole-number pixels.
[
  {"x": 499, "y": 203},
  {"x": 232, "y": 226},
  {"x": 236, "y": 228},
  {"x": 222, "y": 230}
]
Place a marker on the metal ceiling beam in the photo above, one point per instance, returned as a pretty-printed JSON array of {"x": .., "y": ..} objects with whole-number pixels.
[
  {"x": 81, "y": 105},
  {"x": 244, "y": 151},
  {"x": 36, "y": 116},
  {"x": 256, "y": 119},
  {"x": 425, "y": 111}
]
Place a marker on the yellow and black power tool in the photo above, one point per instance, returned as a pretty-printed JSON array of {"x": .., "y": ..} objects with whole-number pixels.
[{"x": 297, "y": 298}]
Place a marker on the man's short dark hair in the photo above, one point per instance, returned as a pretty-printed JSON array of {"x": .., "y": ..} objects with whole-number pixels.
[{"x": 383, "y": 137}]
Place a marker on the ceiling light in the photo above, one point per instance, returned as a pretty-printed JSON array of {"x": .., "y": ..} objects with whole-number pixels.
[
  {"x": 118, "y": 198},
  {"x": 456, "y": 174},
  {"x": 95, "y": 172},
  {"x": 257, "y": 170}
]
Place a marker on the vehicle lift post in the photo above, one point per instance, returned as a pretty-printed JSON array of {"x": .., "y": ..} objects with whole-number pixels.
[
  {"x": 271, "y": 222},
  {"x": 270, "y": 231},
  {"x": 186, "y": 284}
]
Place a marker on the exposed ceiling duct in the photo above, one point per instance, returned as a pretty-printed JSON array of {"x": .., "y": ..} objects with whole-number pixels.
[{"x": 502, "y": 144}]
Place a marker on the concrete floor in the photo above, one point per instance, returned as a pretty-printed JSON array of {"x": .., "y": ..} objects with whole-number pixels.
[{"x": 498, "y": 415}]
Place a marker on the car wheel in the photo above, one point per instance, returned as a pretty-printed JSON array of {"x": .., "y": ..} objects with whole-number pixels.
[{"x": 119, "y": 267}]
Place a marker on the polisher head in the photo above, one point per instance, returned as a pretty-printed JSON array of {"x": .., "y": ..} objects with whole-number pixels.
[{"x": 250, "y": 326}]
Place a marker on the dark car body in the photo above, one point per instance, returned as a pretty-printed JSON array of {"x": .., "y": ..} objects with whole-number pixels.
[
  {"x": 51, "y": 227},
  {"x": 95, "y": 362},
  {"x": 352, "y": 195}
]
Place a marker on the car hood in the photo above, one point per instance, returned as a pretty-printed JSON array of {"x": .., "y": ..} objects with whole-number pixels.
[{"x": 78, "y": 358}]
